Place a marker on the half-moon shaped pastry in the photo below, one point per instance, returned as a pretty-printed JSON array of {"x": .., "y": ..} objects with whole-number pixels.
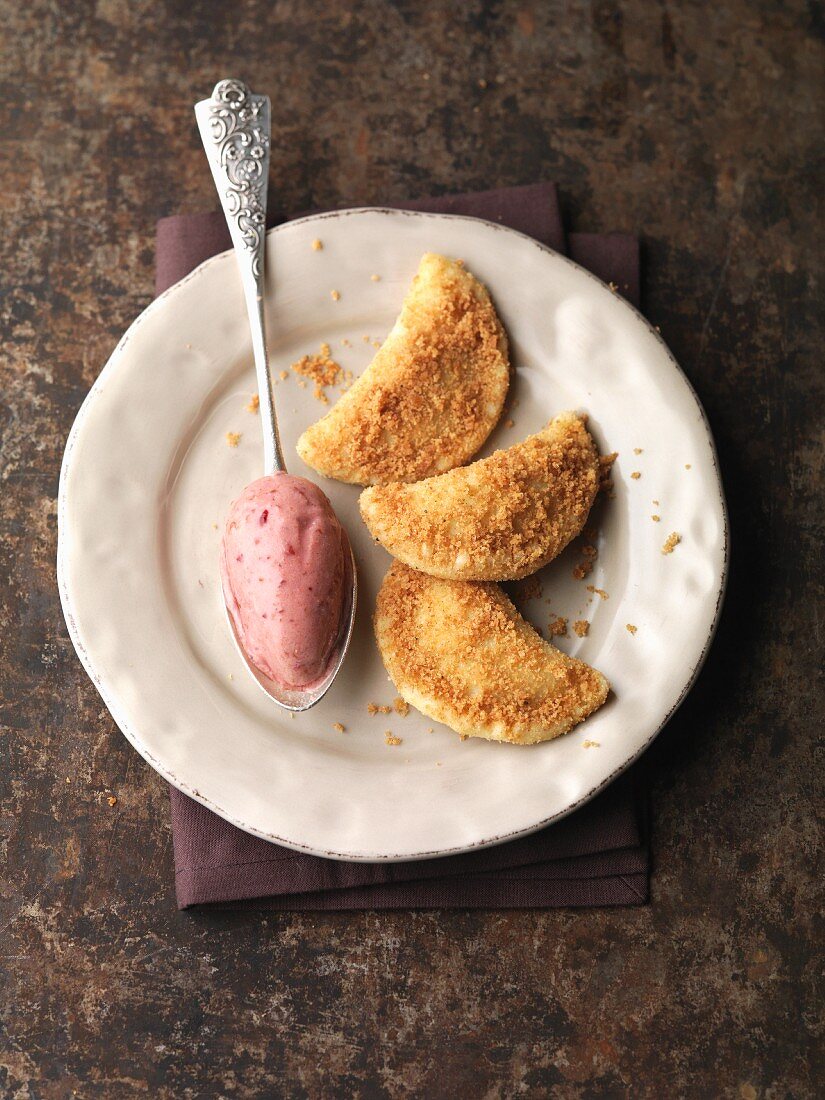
[
  {"x": 431, "y": 395},
  {"x": 461, "y": 653},
  {"x": 500, "y": 518}
]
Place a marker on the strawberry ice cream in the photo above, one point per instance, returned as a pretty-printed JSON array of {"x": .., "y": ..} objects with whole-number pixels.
[{"x": 283, "y": 571}]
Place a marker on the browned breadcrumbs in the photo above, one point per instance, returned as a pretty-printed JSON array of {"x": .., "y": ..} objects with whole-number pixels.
[
  {"x": 636, "y": 475},
  {"x": 630, "y": 628},
  {"x": 655, "y": 518},
  {"x": 323, "y": 371},
  {"x": 687, "y": 465},
  {"x": 112, "y": 800},
  {"x": 508, "y": 423},
  {"x": 529, "y": 588},
  {"x": 598, "y": 591},
  {"x": 671, "y": 542},
  {"x": 591, "y": 744},
  {"x": 390, "y": 739},
  {"x": 589, "y": 554},
  {"x": 375, "y": 278},
  {"x": 254, "y": 404},
  {"x": 335, "y": 295},
  {"x": 317, "y": 245},
  {"x": 558, "y": 627},
  {"x": 233, "y": 438},
  {"x": 613, "y": 286},
  {"x": 581, "y": 627},
  {"x": 637, "y": 450},
  {"x": 339, "y": 726},
  {"x": 401, "y": 706},
  {"x": 605, "y": 467},
  {"x": 375, "y": 708},
  {"x": 283, "y": 375}
]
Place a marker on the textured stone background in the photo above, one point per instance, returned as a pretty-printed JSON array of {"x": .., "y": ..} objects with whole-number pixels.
[{"x": 694, "y": 124}]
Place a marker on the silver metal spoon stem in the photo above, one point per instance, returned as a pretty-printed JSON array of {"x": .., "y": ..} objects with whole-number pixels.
[{"x": 235, "y": 126}]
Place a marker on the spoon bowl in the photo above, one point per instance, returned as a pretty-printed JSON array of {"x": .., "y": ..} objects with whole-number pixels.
[{"x": 300, "y": 699}]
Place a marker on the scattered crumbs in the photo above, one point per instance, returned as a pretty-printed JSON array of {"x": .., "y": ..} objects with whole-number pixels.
[
  {"x": 656, "y": 502},
  {"x": 687, "y": 465},
  {"x": 613, "y": 286},
  {"x": 233, "y": 438},
  {"x": 530, "y": 588},
  {"x": 600, "y": 592},
  {"x": 657, "y": 328},
  {"x": 591, "y": 744},
  {"x": 655, "y": 518},
  {"x": 374, "y": 708},
  {"x": 401, "y": 706},
  {"x": 438, "y": 763},
  {"x": 317, "y": 245},
  {"x": 589, "y": 554},
  {"x": 283, "y": 375},
  {"x": 335, "y": 295},
  {"x": 671, "y": 542},
  {"x": 302, "y": 383},
  {"x": 376, "y": 343},
  {"x": 366, "y": 339},
  {"x": 231, "y": 676},
  {"x": 508, "y": 423},
  {"x": 375, "y": 278},
  {"x": 636, "y": 475},
  {"x": 430, "y": 730},
  {"x": 254, "y": 404},
  {"x": 214, "y": 526},
  {"x": 339, "y": 726},
  {"x": 390, "y": 739},
  {"x": 630, "y": 628},
  {"x": 558, "y": 627},
  {"x": 581, "y": 627},
  {"x": 346, "y": 343},
  {"x": 322, "y": 370},
  {"x": 637, "y": 450},
  {"x": 112, "y": 800}
]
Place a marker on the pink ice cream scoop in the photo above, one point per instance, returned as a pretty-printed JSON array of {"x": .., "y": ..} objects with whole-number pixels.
[{"x": 283, "y": 562}]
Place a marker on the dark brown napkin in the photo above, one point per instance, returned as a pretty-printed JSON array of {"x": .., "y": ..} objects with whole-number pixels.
[{"x": 596, "y": 856}]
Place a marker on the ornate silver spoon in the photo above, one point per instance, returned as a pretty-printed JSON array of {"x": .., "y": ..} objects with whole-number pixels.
[{"x": 235, "y": 126}]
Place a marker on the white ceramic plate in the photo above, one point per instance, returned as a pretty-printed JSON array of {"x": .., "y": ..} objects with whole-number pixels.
[{"x": 148, "y": 476}]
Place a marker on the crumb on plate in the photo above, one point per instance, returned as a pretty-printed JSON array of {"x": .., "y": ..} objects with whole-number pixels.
[
  {"x": 655, "y": 518},
  {"x": 233, "y": 438},
  {"x": 671, "y": 542},
  {"x": 401, "y": 706},
  {"x": 630, "y": 628},
  {"x": 335, "y": 295},
  {"x": 558, "y": 627},
  {"x": 581, "y": 627},
  {"x": 390, "y": 739},
  {"x": 636, "y": 475},
  {"x": 254, "y": 404},
  {"x": 598, "y": 591},
  {"x": 339, "y": 726},
  {"x": 317, "y": 245},
  {"x": 591, "y": 744}
]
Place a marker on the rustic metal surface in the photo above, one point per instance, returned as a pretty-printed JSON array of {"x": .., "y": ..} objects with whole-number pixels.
[{"x": 694, "y": 124}]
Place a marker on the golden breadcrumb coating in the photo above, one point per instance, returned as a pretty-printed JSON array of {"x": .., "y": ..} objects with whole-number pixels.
[
  {"x": 500, "y": 518},
  {"x": 461, "y": 653},
  {"x": 431, "y": 395}
]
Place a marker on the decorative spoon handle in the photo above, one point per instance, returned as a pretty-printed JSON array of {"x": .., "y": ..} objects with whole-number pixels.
[{"x": 235, "y": 126}]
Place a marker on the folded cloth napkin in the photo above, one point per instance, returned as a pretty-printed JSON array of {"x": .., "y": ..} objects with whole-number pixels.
[{"x": 596, "y": 856}]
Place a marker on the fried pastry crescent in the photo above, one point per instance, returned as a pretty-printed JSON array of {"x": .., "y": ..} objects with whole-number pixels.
[
  {"x": 431, "y": 395},
  {"x": 461, "y": 653},
  {"x": 500, "y": 518}
]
